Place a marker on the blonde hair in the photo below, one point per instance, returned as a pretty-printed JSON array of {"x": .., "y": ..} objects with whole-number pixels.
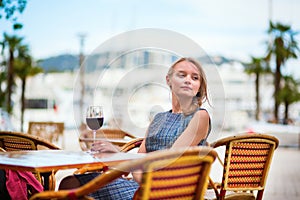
[{"x": 202, "y": 94}]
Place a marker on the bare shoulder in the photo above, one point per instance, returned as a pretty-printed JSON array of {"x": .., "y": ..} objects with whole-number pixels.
[{"x": 203, "y": 114}]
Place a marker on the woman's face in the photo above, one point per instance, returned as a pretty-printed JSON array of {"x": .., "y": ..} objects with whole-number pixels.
[{"x": 185, "y": 79}]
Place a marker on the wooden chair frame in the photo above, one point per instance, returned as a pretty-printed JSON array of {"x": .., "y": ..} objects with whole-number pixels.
[
  {"x": 85, "y": 137},
  {"x": 132, "y": 144},
  {"x": 245, "y": 166},
  {"x": 203, "y": 156}
]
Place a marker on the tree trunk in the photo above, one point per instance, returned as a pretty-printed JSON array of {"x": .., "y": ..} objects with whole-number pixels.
[
  {"x": 286, "y": 113},
  {"x": 257, "y": 98},
  {"x": 277, "y": 88},
  {"x": 23, "y": 102},
  {"x": 10, "y": 80}
]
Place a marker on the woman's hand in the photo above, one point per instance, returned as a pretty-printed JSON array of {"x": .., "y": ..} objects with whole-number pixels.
[{"x": 105, "y": 146}]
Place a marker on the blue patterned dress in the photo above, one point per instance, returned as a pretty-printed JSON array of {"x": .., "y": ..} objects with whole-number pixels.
[{"x": 165, "y": 128}]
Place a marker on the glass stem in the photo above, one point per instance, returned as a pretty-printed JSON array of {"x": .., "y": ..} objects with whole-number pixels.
[{"x": 94, "y": 135}]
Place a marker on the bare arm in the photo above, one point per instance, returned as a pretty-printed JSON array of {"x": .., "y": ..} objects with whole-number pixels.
[
  {"x": 142, "y": 148},
  {"x": 195, "y": 131}
]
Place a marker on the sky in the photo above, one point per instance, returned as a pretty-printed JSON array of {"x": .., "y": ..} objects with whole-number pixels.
[{"x": 232, "y": 28}]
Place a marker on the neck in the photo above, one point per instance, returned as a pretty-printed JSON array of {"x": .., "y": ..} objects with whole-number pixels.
[{"x": 183, "y": 105}]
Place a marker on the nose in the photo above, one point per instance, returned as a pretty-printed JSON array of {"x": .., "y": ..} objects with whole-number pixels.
[{"x": 188, "y": 79}]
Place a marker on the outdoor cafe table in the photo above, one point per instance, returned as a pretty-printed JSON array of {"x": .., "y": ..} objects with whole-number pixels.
[{"x": 45, "y": 161}]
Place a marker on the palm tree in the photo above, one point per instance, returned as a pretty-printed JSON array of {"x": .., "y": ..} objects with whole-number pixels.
[
  {"x": 11, "y": 10},
  {"x": 283, "y": 46},
  {"x": 24, "y": 68},
  {"x": 257, "y": 66},
  {"x": 288, "y": 95},
  {"x": 12, "y": 42}
]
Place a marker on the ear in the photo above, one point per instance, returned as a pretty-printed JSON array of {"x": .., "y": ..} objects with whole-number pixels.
[{"x": 168, "y": 81}]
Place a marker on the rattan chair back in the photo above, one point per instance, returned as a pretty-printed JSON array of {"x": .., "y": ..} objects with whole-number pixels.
[
  {"x": 246, "y": 164},
  {"x": 18, "y": 141},
  {"x": 50, "y": 131},
  {"x": 178, "y": 175}
]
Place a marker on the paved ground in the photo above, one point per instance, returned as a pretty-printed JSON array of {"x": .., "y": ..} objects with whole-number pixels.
[
  {"x": 283, "y": 180},
  {"x": 284, "y": 176}
]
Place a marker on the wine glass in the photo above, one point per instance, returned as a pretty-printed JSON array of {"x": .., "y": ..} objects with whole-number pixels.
[{"x": 94, "y": 118}]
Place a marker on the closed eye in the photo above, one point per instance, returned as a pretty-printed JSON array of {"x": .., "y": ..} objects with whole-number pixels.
[
  {"x": 195, "y": 77},
  {"x": 181, "y": 74}
]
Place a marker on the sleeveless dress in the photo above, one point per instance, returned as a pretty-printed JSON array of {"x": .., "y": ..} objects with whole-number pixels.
[{"x": 163, "y": 131}]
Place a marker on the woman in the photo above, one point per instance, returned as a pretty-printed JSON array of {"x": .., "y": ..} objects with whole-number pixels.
[{"x": 187, "y": 124}]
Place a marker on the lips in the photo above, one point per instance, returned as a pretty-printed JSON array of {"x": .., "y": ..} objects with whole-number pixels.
[{"x": 186, "y": 88}]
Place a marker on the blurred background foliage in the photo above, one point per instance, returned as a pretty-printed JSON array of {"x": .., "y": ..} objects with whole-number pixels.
[{"x": 17, "y": 63}]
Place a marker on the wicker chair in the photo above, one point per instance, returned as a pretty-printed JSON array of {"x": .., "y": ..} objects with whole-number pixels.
[
  {"x": 246, "y": 165},
  {"x": 50, "y": 131},
  {"x": 166, "y": 174},
  {"x": 17, "y": 141},
  {"x": 86, "y": 137}
]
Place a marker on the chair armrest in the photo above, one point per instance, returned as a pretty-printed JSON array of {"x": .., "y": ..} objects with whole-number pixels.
[
  {"x": 98, "y": 168},
  {"x": 61, "y": 194},
  {"x": 134, "y": 143}
]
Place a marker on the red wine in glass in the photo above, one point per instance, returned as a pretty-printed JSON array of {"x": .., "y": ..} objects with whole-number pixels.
[{"x": 94, "y": 123}]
